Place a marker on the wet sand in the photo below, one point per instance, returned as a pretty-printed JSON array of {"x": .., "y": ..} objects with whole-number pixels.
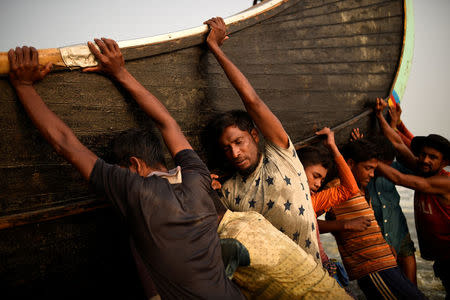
[{"x": 427, "y": 282}]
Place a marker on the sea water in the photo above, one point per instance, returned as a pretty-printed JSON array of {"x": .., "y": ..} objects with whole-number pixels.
[{"x": 426, "y": 281}]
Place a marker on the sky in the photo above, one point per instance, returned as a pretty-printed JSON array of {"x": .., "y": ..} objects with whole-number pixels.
[
  {"x": 426, "y": 104},
  {"x": 52, "y": 23}
]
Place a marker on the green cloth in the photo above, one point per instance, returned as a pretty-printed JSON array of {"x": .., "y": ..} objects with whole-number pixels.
[
  {"x": 386, "y": 206},
  {"x": 234, "y": 255}
]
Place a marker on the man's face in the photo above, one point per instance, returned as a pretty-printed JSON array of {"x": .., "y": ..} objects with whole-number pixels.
[
  {"x": 430, "y": 161},
  {"x": 316, "y": 175},
  {"x": 363, "y": 171},
  {"x": 240, "y": 148}
]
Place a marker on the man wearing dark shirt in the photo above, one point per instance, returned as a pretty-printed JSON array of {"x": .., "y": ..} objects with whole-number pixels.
[{"x": 173, "y": 225}]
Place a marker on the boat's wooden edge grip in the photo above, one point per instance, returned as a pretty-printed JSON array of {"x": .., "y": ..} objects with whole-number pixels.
[
  {"x": 52, "y": 55},
  {"x": 156, "y": 46}
]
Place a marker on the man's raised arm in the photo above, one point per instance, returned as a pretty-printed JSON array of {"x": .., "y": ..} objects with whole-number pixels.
[
  {"x": 112, "y": 63},
  {"x": 404, "y": 154},
  {"x": 25, "y": 70},
  {"x": 436, "y": 184},
  {"x": 348, "y": 187},
  {"x": 264, "y": 119}
]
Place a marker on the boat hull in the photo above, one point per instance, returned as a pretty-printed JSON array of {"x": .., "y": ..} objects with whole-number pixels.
[{"x": 315, "y": 63}]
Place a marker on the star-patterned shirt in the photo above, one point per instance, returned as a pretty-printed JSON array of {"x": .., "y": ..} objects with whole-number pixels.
[{"x": 277, "y": 189}]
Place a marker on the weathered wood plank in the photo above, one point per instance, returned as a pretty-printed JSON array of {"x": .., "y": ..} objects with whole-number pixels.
[
  {"x": 290, "y": 31},
  {"x": 350, "y": 10},
  {"x": 75, "y": 257}
]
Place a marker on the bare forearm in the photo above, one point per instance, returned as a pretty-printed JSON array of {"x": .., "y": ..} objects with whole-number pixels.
[
  {"x": 170, "y": 131},
  {"x": 111, "y": 62},
  {"x": 330, "y": 226},
  {"x": 55, "y": 131},
  {"x": 388, "y": 131},
  {"x": 146, "y": 100},
  {"x": 390, "y": 173},
  {"x": 48, "y": 124},
  {"x": 399, "y": 178},
  {"x": 263, "y": 117},
  {"x": 435, "y": 184},
  {"x": 402, "y": 128},
  {"x": 237, "y": 79},
  {"x": 406, "y": 140},
  {"x": 404, "y": 154}
]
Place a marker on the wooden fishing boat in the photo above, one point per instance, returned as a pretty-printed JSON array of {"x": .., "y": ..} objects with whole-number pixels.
[{"x": 314, "y": 62}]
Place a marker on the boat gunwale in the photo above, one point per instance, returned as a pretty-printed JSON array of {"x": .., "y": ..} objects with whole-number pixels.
[
  {"x": 406, "y": 54},
  {"x": 79, "y": 56}
]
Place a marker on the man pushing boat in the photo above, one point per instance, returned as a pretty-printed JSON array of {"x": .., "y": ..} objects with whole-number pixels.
[
  {"x": 172, "y": 215},
  {"x": 426, "y": 156},
  {"x": 271, "y": 181},
  {"x": 172, "y": 223}
]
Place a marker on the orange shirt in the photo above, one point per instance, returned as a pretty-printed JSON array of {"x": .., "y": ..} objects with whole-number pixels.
[
  {"x": 324, "y": 200},
  {"x": 362, "y": 252}
]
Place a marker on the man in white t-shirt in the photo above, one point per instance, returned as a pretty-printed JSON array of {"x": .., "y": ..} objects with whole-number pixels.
[{"x": 271, "y": 181}]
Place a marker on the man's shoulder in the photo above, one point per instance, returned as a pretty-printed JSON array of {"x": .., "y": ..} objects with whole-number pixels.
[
  {"x": 187, "y": 154},
  {"x": 101, "y": 168},
  {"x": 190, "y": 162},
  {"x": 380, "y": 184},
  {"x": 284, "y": 160},
  {"x": 274, "y": 149}
]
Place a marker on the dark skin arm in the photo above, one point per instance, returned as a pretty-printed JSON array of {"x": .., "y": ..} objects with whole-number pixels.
[
  {"x": 436, "y": 184},
  {"x": 394, "y": 114},
  {"x": 397, "y": 124},
  {"x": 265, "y": 120},
  {"x": 404, "y": 153},
  {"x": 357, "y": 224},
  {"x": 111, "y": 62},
  {"x": 25, "y": 71}
]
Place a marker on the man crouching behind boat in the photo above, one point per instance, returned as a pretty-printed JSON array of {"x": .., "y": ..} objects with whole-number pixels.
[{"x": 173, "y": 224}]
